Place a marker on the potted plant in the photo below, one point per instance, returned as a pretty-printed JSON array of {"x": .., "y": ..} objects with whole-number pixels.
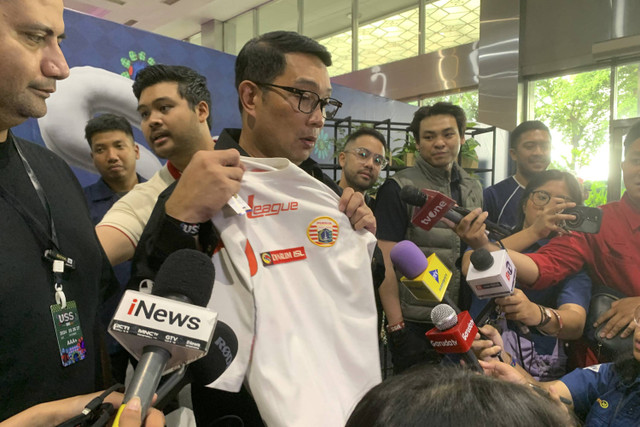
[
  {"x": 405, "y": 154},
  {"x": 468, "y": 154}
]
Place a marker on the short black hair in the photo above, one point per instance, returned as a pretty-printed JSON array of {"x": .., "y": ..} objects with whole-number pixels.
[
  {"x": 105, "y": 123},
  {"x": 526, "y": 127},
  {"x": 192, "y": 85},
  {"x": 446, "y": 396},
  {"x": 365, "y": 131},
  {"x": 632, "y": 136},
  {"x": 437, "y": 109},
  {"x": 262, "y": 58}
]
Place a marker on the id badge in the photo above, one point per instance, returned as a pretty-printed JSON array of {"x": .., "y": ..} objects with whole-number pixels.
[{"x": 66, "y": 323}]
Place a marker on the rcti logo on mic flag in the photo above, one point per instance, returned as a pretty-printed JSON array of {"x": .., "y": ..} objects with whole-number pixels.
[{"x": 433, "y": 211}]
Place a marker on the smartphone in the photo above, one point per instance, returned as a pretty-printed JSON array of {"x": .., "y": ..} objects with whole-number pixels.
[{"x": 587, "y": 220}]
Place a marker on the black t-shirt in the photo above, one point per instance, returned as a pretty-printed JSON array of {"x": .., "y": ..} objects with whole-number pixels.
[{"x": 30, "y": 362}]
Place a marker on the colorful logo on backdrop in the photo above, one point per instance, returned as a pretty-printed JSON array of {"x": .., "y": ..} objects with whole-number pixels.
[
  {"x": 135, "y": 62},
  {"x": 323, "y": 231}
]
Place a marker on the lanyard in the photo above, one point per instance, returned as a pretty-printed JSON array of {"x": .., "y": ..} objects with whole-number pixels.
[{"x": 48, "y": 241}]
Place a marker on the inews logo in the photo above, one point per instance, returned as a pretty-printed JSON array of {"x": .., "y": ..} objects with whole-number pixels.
[{"x": 258, "y": 211}]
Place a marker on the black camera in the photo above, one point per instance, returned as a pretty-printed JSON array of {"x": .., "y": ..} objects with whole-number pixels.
[{"x": 587, "y": 220}]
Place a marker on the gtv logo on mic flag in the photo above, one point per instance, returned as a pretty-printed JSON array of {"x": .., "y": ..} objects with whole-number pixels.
[{"x": 433, "y": 211}]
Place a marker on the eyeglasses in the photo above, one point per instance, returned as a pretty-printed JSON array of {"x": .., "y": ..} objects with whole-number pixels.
[
  {"x": 308, "y": 101},
  {"x": 541, "y": 198},
  {"x": 363, "y": 154}
]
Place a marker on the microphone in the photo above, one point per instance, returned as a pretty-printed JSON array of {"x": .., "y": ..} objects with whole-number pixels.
[
  {"x": 426, "y": 278},
  {"x": 222, "y": 351},
  {"x": 434, "y": 206},
  {"x": 169, "y": 328},
  {"x": 453, "y": 334},
  {"x": 491, "y": 275}
]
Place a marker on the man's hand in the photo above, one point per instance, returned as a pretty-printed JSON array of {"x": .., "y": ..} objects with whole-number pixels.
[
  {"x": 487, "y": 349},
  {"x": 472, "y": 229},
  {"x": 206, "y": 185},
  {"x": 131, "y": 416},
  {"x": 353, "y": 205},
  {"x": 518, "y": 307},
  {"x": 503, "y": 371},
  {"x": 619, "y": 318}
]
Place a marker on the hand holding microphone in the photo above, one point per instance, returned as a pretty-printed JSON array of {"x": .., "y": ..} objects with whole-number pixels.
[
  {"x": 434, "y": 206},
  {"x": 454, "y": 334},
  {"x": 166, "y": 330}
]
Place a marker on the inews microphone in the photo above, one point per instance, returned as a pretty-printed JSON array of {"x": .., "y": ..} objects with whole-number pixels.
[
  {"x": 426, "y": 278},
  {"x": 434, "y": 206},
  {"x": 170, "y": 327},
  {"x": 453, "y": 334},
  {"x": 491, "y": 275}
]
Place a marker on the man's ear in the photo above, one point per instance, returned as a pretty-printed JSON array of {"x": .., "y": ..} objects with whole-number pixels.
[
  {"x": 248, "y": 92},
  {"x": 512, "y": 154},
  {"x": 137, "y": 150},
  {"x": 202, "y": 110},
  {"x": 342, "y": 159}
]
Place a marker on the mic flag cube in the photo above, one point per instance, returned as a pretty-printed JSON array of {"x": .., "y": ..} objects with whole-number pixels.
[
  {"x": 432, "y": 283},
  {"x": 184, "y": 330},
  {"x": 457, "y": 339},
  {"x": 435, "y": 208}
]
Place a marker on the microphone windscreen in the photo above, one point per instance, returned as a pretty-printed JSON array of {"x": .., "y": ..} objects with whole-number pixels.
[
  {"x": 222, "y": 351},
  {"x": 412, "y": 196},
  {"x": 186, "y": 272},
  {"x": 409, "y": 259},
  {"x": 444, "y": 317},
  {"x": 481, "y": 259}
]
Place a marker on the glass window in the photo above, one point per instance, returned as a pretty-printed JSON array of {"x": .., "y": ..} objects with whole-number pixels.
[
  {"x": 467, "y": 100},
  {"x": 450, "y": 23},
  {"x": 340, "y": 47},
  {"x": 389, "y": 39},
  {"x": 237, "y": 32},
  {"x": 279, "y": 15},
  {"x": 576, "y": 108},
  {"x": 628, "y": 102}
]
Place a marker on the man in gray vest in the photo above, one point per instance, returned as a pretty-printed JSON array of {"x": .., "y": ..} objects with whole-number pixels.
[{"x": 439, "y": 133}]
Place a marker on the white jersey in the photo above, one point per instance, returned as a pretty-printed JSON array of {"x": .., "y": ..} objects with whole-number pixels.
[{"x": 294, "y": 282}]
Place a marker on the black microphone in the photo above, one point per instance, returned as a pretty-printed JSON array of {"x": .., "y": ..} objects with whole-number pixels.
[
  {"x": 413, "y": 196},
  {"x": 169, "y": 332},
  {"x": 222, "y": 351}
]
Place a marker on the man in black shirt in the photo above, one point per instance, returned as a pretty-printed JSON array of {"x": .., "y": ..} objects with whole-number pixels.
[{"x": 49, "y": 339}]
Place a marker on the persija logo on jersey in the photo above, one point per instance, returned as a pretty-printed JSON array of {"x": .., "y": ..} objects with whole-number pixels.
[{"x": 258, "y": 211}]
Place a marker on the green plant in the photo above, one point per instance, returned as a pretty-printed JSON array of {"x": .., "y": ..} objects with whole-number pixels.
[
  {"x": 399, "y": 154},
  {"x": 468, "y": 150}
]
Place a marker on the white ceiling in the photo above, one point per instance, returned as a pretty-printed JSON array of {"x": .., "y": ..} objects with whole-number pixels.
[{"x": 179, "y": 20}]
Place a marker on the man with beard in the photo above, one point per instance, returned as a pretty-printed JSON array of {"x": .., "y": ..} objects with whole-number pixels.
[
  {"x": 361, "y": 160},
  {"x": 529, "y": 147}
]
